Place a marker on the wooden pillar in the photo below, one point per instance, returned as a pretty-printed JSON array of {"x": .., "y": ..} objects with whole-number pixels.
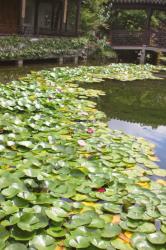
[
  {"x": 78, "y": 12},
  {"x": 36, "y": 17},
  {"x": 149, "y": 12},
  {"x": 53, "y": 16},
  {"x": 65, "y": 11},
  {"x": 23, "y": 12}
]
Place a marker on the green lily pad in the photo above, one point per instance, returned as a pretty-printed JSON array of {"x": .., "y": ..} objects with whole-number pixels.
[
  {"x": 157, "y": 238},
  {"x": 21, "y": 235},
  {"x": 55, "y": 212},
  {"x": 43, "y": 242},
  {"x": 136, "y": 213},
  {"x": 137, "y": 238},
  {"x": 97, "y": 223},
  {"x": 111, "y": 231},
  {"x": 145, "y": 245},
  {"x": 101, "y": 244},
  {"x": 79, "y": 242},
  {"x": 159, "y": 172},
  {"x": 121, "y": 245},
  {"x": 16, "y": 246},
  {"x": 146, "y": 227},
  {"x": 4, "y": 234},
  {"x": 30, "y": 222},
  {"x": 113, "y": 208}
]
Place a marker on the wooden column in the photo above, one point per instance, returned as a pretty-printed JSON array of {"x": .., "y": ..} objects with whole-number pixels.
[
  {"x": 23, "y": 12},
  {"x": 36, "y": 17},
  {"x": 52, "y": 16},
  {"x": 78, "y": 12},
  {"x": 149, "y": 12},
  {"x": 65, "y": 11}
]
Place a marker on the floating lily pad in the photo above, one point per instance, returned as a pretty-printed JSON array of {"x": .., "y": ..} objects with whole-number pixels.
[
  {"x": 43, "y": 242},
  {"x": 157, "y": 238},
  {"x": 111, "y": 231}
]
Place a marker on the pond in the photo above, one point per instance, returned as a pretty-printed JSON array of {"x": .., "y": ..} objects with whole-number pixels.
[{"x": 137, "y": 108}]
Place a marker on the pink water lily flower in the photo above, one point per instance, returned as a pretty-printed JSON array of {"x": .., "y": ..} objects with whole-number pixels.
[
  {"x": 101, "y": 190},
  {"x": 90, "y": 130},
  {"x": 82, "y": 143}
]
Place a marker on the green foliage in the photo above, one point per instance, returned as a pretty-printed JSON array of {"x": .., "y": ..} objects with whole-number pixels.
[
  {"x": 93, "y": 15},
  {"x": 14, "y": 47}
]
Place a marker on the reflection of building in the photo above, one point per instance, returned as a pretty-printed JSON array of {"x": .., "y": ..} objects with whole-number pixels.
[{"x": 39, "y": 17}]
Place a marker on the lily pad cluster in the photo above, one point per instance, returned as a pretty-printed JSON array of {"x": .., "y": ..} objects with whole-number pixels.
[
  {"x": 93, "y": 74},
  {"x": 66, "y": 180}
]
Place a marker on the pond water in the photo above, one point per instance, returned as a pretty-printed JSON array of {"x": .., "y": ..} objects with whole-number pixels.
[{"x": 137, "y": 108}]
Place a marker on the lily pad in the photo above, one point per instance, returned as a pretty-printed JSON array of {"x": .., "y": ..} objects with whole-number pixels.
[
  {"x": 111, "y": 231},
  {"x": 157, "y": 238},
  {"x": 43, "y": 242}
]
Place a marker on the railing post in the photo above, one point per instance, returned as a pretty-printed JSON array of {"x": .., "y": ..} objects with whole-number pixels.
[{"x": 143, "y": 54}]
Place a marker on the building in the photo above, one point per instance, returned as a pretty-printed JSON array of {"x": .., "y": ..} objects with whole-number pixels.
[{"x": 39, "y": 17}]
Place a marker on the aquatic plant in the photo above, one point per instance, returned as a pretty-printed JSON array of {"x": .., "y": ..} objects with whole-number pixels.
[{"x": 66, "y": 180}]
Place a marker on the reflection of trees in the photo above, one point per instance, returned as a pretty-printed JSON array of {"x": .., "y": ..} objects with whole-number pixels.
[{"x": 140, "y": 101}]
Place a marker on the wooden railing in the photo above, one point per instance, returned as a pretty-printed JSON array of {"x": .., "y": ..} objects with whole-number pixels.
[{"x": 149, "y": 38}]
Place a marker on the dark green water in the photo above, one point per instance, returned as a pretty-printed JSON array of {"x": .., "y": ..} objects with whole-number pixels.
[{"x": 137, "y": 108}]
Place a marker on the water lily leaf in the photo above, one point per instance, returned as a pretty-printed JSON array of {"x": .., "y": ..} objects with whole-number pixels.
[
  {"x": 30, "y": 222},
  {"x": 43, "y": 242},
  {"x": 97, "y": 223},
  {"x": 9, "y": 207},
  {"x": 4, "y": 234},
  {"x": 113, "y": 208},
  {"x": 162, "y": 210},
  {"x": 27, "y": 144},
  {"x": 136, "y": 213},
  {"x": 159, "y": 172},
  {"x": 111, "y": 231},
  {"x": 78, "y": 220},
  {"x": 145, "y": 245},
  {"x": 101, "y": 244},
  {"x": 16, "y": 246},
  {"x": 146, "y": 227},
  {"x": 163, "y": 228},
  {"x": 20, "y": 235},
  {"x": 137, "y": 237},
  {"x": 55, "y": 212},
  {"x": 79, "y": 242},
  {"x": 52, "y": 231},
  {"x": 121, "y": 245},
  {"x": 157, "y": 238}
]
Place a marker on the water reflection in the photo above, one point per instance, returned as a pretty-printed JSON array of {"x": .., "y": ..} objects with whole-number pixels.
[
  {"x": 11, "y": 73},
  {"x": 157, "y": 136},
  {"x": 137, "y": 108}
]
